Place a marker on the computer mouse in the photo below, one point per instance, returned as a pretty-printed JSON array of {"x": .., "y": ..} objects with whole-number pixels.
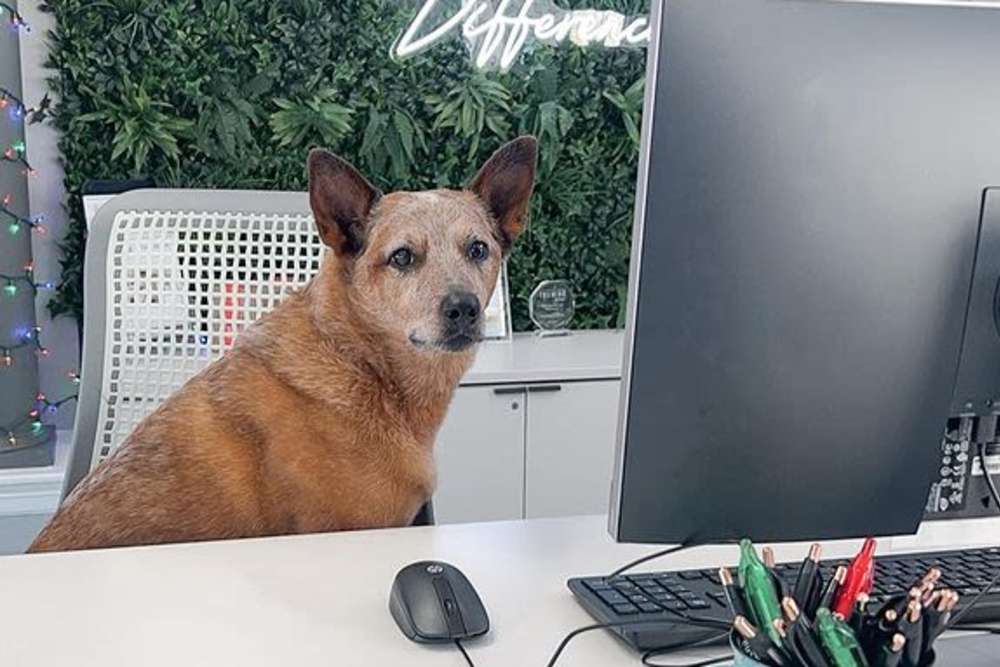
[{"x": 433, "y": 602}]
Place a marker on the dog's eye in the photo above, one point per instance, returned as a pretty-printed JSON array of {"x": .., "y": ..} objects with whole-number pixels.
[
  {"x": 402, "y": 258},
  {"x": 478, "y": 251}
]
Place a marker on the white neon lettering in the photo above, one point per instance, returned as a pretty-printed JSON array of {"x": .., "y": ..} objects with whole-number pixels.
[{"x": 499, "y": 31}]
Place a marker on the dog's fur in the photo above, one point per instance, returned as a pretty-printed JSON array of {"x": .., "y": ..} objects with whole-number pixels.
[{"x": 324, "y": 414}]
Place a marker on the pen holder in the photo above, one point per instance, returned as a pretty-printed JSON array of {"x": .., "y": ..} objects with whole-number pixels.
[{"x": 741, "y": 657}]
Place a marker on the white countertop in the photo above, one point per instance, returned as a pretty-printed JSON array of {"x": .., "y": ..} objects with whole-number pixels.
[
  {"x": 581, "y": 355},
  {"x": 322, "y": 599}
]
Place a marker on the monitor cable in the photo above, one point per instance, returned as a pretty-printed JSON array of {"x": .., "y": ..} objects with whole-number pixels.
[{"x": 686, "y": 544}]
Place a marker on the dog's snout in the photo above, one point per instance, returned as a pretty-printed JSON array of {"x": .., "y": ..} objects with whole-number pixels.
[{"x": 460, "y": 310}]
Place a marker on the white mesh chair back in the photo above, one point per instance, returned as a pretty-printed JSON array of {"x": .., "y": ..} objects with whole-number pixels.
[{"x": 172, "y": 277}]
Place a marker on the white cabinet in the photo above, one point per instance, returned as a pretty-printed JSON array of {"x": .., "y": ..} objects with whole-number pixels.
[
  {"x": 516, "y": 451},
  {"x": 531, "y": 430},
  {"x": 480, "y": 456},
  {"x": 570, "y": 448}
]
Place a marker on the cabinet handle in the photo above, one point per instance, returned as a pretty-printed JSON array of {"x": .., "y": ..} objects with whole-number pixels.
[
  {"x": 544, "y": 388},
  {"x": 504, "y": 391}
]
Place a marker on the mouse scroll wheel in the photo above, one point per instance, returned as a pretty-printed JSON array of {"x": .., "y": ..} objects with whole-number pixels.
[{"x": 449, "y": 606}]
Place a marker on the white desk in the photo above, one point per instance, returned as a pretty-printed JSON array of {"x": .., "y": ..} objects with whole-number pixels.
[{"x": 322, "y": 599}]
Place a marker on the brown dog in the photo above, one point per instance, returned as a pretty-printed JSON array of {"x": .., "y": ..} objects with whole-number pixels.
[{"x": 323, "y": 416}]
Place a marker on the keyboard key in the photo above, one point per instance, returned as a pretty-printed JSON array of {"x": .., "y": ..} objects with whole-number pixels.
[
  {"x": 625, "y": 609},
  {"x": 649, "y": 608},
  {"x": 597, "y": 585},
  {"x": 612, "y": 597},
  {"x": 697, "y": 604},
  {"x": 690, "y": 575}
]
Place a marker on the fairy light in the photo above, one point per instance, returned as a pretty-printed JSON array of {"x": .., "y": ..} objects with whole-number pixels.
[
  {"x": 13, "y": 104},
  {"x": 30, "y": 429},
  {"x": 14, "y": 17},
  {"x": 27, "y": 430},
  {"x": 10, "y": 282},
  {"x": 29, "y": 338},
  {"x": 17, "y": 221},
  {"x": 15, "y": 153}
]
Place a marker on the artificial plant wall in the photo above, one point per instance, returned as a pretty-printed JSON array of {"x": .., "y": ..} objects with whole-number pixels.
[{"x": 232, "y": 94}]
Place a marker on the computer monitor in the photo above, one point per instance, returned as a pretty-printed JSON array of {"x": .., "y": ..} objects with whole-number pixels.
[{"x": 811, "y": 185}]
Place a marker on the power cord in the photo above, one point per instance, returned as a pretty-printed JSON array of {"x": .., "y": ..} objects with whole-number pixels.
[
  {"x": 465, "y": 654},
  {"x": 655, "y": 653},
  {"x": 981, "y": 455},
  {"x": 686, "y": 544},
  {"x": 621, "y": 624}
]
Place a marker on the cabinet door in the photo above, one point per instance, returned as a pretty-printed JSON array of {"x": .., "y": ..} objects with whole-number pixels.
[
  {"x": 480, "y": 456},
  {"x": 570, "y": 445}
]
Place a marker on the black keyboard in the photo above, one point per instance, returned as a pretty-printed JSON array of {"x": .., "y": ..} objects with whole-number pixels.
[{"x": 652, "y": 596}]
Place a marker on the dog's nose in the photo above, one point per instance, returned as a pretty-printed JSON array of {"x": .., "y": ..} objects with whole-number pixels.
[{"x": 460, "y": 310}]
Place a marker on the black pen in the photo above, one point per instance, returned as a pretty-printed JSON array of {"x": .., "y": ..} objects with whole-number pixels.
[
  {"x": 734, "y": 593},
  {"x": 858, "y": 614},
  {"x": 891, "y": 653},
  {"x": 767, "y": 555},
  {"x": 912, "y": 628},
  {"x": 806, "y": 579},
  {"x": 758, "y": 642},
  {"x": 800, "y": 632},
  {"x": 826, "y": 599},
  {"x": 937, "y": 615}
]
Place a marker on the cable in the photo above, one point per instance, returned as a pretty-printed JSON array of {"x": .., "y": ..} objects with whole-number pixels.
[
  {"x": 607, "y": 626},
  {"x": 657, "y": 652},
  {"x": 686, "y": 544},
  {"x": 703, "y": 663},
  {"x": 981, "y": 455},
  {"x": 465, "y": 654}
]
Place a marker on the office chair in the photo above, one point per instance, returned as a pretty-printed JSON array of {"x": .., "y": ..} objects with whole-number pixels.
[{"x": 171, "y": 279}]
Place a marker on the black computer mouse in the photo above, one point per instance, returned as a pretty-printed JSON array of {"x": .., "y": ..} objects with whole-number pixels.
[{"x": 434, "y": 602}]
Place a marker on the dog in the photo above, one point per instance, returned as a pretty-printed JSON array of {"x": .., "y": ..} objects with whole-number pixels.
[{"x": 323, "y": 416}]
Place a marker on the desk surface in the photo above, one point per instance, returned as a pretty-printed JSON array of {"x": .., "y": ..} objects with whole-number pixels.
[{"x": 322, "y": 599}]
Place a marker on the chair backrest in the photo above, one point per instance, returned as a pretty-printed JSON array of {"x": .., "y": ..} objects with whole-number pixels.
[{"x": 171, "y": 278}]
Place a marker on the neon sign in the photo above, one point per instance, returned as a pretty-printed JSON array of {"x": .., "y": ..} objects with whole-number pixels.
[{"x": 497, "y": 31}]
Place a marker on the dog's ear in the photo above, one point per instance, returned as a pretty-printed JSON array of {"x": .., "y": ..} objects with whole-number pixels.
[
  {"x": 505, "y": 184},
  {"x": 341, "y": 200}
]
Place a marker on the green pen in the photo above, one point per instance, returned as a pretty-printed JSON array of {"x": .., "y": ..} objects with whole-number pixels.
[
  {"x": 758, "y": 587},
  {"x": 838, "y": 640}
]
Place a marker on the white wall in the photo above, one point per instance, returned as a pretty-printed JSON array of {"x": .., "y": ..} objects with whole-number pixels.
[{"x": 46, "y": 195}]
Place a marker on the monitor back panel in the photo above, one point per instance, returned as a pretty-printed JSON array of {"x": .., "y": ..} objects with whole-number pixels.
[{"x": 811, "y": 186}]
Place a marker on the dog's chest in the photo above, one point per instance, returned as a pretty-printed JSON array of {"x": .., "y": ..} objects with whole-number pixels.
[{"x": 351, "y": 475}]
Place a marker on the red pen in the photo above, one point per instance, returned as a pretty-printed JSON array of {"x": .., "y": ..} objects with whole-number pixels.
[{"x": 860, "y": 578}]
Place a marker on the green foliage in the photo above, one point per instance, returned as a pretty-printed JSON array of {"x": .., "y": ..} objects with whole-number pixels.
[{"x": 233, "y": 93}]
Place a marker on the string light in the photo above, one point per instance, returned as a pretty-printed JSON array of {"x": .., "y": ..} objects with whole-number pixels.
[
  {"x": 30, "y": 430},
  {"x": 14, "y": 17},
  {"x": 26, "y": 339},
  {"x": 15, "y": 153},
  {"x": 13, "y": 104},
  {"x": 17, "y": 221},
  {"x": 10, "y": 282}
]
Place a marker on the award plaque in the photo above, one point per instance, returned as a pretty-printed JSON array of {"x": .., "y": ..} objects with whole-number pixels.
[{"x": 551, "y": 307}]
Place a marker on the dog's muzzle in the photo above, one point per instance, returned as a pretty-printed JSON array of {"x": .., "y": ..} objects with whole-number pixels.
[{"x": 461, "y": 319}]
